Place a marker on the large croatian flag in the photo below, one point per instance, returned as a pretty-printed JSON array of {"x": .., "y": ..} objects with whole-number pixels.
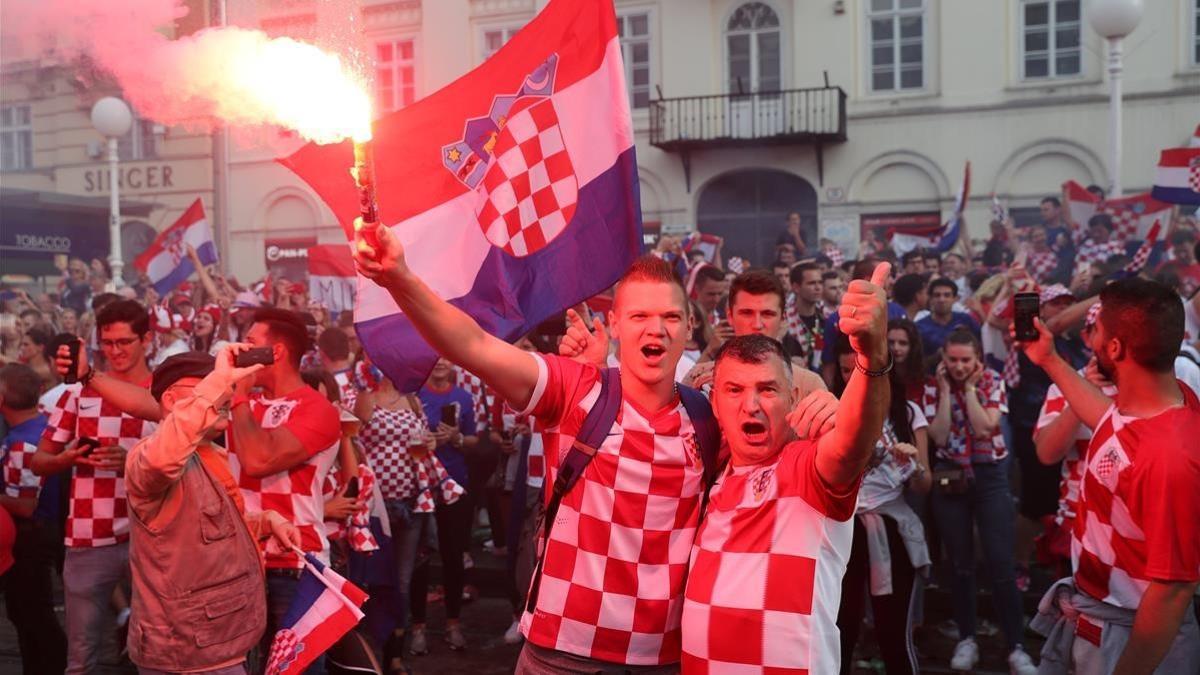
[
  {"x": 166, "y": 261},
  {"x": 514, "y": 189},
  {"x": 324, "y": 608},
  {"x": 939, "y": 239},
  {"x": 1132, "y": 216}
]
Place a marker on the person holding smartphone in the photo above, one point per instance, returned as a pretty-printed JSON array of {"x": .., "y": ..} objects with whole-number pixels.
[
  {"x": 970, "y": 487},
  {"x": 449, "y": 410}
]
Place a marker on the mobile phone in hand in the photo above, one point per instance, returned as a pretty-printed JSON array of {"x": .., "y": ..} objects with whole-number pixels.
[
  {"x": 86, "y": 446},
  {"x": 450, "y": 414},
  {"x": 352, "y": 487},
  {"x": 250, "y": 357},
  {"x": 72, "y": 374},
  {"x": 1026, "y": 307}
]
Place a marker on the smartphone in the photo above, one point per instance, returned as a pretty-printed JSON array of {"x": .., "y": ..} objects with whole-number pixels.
[
  {"x": 352, "y": 487},
  {"x": 250, "y": 357},
  {"x": 450, "y": 414},
  {"x": 1026, "y": 307},
  {"x": 88, "y": 445},
  {"x": 72, "y": 374}
]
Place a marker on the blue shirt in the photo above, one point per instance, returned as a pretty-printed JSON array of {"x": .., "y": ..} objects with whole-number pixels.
[
  {"x": 432, "y": 401},
  {"x": 30, "y": 432},
  {"x": 933, "y": 334}
]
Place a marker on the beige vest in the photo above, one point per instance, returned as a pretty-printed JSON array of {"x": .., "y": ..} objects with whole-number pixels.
[{"x": 199, "y": 596}]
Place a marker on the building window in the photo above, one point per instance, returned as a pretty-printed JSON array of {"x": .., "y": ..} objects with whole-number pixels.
[
  {"x": 395, "y": 79},
  {"x": 16, "y": 138},
  {"x": 141, "y": 142},
  {"x": 634, "y": 30},
  {"x": 752, "y": 39},
  {"x": 1050, "y": 33},
  {"x": 1195, "y": 47},
  {"x": 897, "y": 30},
  {"x": 495, "y": 38}
]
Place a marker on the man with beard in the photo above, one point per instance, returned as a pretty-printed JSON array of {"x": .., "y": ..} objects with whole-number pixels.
[
  {"x": 1136, "y": 556},
  {"x": 764, "y": 582}
]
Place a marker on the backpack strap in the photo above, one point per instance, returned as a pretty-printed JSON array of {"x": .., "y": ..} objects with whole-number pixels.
[
  {"x": 595, "y": 428},
  {"x": 708, "y": 436}
]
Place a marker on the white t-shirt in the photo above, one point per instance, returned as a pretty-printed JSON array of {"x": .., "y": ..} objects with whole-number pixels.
[{"x": 885, "y": 481}]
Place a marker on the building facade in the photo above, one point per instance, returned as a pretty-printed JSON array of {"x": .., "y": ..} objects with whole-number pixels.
[
  {"x": 856, "y": 113},
  {"x": 54, "y": 176}
]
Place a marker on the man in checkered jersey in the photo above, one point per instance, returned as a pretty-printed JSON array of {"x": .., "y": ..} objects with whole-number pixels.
[
  {"x": 97, "y": 530},
  {"x": 1135, "y": 547},
  {"x": 764, "y": 583},
  {"x": 283, "y": 438},
  {"x": 611, "y": 588}
]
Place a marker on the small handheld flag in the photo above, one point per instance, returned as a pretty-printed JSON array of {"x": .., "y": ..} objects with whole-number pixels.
[{"x": 325, "y": 608}]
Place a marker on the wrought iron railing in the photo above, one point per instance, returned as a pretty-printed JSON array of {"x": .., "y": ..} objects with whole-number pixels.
[{"x": 789, "y": 116}]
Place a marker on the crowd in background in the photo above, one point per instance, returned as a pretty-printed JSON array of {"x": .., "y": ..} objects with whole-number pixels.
[{"x": 383, "y": 481}]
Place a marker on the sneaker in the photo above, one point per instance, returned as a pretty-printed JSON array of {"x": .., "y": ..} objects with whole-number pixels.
[
  {"x": 418, "y": 646},
  {"x": 966, "y": 655},
  {"x": 1020, "y": 663},
  {"x": 455, "y": 639},
  {"x": 513, "y": 636}
]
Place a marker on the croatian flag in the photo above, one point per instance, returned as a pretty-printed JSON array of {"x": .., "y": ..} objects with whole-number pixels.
[
  {"x": 514, "y": 189},
  {"x": 940, "y": 239},
  {"x": 325, "y": 608},
  {"x": 166, "y": 261},
  {"x": 1177, "y": 180},
  {"x": 707, "y": 244},
  {"x": 331, "y": 276},
  {"x": 1132, "y": 216}
]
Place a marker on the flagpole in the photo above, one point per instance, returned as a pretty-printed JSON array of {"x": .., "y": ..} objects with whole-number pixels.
[{"x": 316, "y": 573}]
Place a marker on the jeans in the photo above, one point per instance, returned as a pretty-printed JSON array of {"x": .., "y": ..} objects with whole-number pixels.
[
  {"x": 280, "y": 591},
  {"x": 987, "y": 505},
  {"x": 29, "y": 600},
  {"x": 89, "y": 577},
  {"x": 408, "y": 536},
  {"x": 452, "y": 521}
]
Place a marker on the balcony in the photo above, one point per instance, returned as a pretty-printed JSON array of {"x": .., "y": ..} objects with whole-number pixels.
[{"x": 813, "y": 116}]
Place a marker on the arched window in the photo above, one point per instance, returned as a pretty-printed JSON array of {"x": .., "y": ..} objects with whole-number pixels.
[{"x": 752, "y": 45}]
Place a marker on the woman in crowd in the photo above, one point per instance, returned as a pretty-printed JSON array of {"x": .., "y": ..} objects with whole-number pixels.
[
  {"x": 886, "y": 528},
  {"x": 399, "y": 447},
  {"x": 210, "y": 329},
  {"x": 68, "y": 321},
  {"x": 904, "y": 342},
  {"x": 970, "y": 488}
]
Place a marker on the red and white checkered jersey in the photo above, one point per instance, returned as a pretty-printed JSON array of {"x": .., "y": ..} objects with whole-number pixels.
[
  {"x": 1137, "y": 504},
  {"x": 357, "y": 527},
  {"x": 614, "y": 567},
  {"x": 387, "y": 438},
  {"x": 1091, "y": 252},
  {"x": 1072, "y": 468},
  {"x": 347, "y": 390},
  {"x": 296, "y": 492},
  {"x": 535, "y": 465},
  {"x": 481, "y": 396},
  {"x": 1041, "y": 265},
  {"x": 20, "y": 482},
  {"x": 765, "y": 580},
  {"x": 98, "y": 514},
  {"x": 992, "y": 396}
]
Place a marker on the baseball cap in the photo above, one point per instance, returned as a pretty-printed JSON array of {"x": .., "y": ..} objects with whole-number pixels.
[
  {"x": 176, "y": 368},
  {"x": 1053, "y": 292}
]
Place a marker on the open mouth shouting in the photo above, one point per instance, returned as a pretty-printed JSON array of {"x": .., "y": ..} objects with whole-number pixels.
[
  {"x": 754, "y": 432},
  {"x": 653, "y": 353}
]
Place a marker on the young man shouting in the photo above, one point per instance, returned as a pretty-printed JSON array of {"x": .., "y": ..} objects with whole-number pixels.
[{"x": 764, "y": 582}]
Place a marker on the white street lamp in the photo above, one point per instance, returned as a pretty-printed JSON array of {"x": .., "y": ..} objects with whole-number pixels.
[
  {"x": 112, "y": 118},
  {"x": 1113, "y": 20}
]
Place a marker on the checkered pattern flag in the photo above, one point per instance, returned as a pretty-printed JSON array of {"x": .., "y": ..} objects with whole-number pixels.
[
  {"x": 736, "y": 265},
  {"x": 1143, "y": 253}
]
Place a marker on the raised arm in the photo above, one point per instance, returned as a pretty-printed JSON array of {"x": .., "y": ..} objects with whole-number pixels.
[
  {"x": 843, "y": 453},
  {"x": 513, "y": 373},
  {"x": 1088, "y": 402},
  {"x": 128, "y": 398}
]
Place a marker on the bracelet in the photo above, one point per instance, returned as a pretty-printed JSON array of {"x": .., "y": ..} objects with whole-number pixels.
[{"x": 874, "y": 373}]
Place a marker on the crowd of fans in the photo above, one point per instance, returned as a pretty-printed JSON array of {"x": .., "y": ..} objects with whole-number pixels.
[{"x": 976, "y": 441}]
